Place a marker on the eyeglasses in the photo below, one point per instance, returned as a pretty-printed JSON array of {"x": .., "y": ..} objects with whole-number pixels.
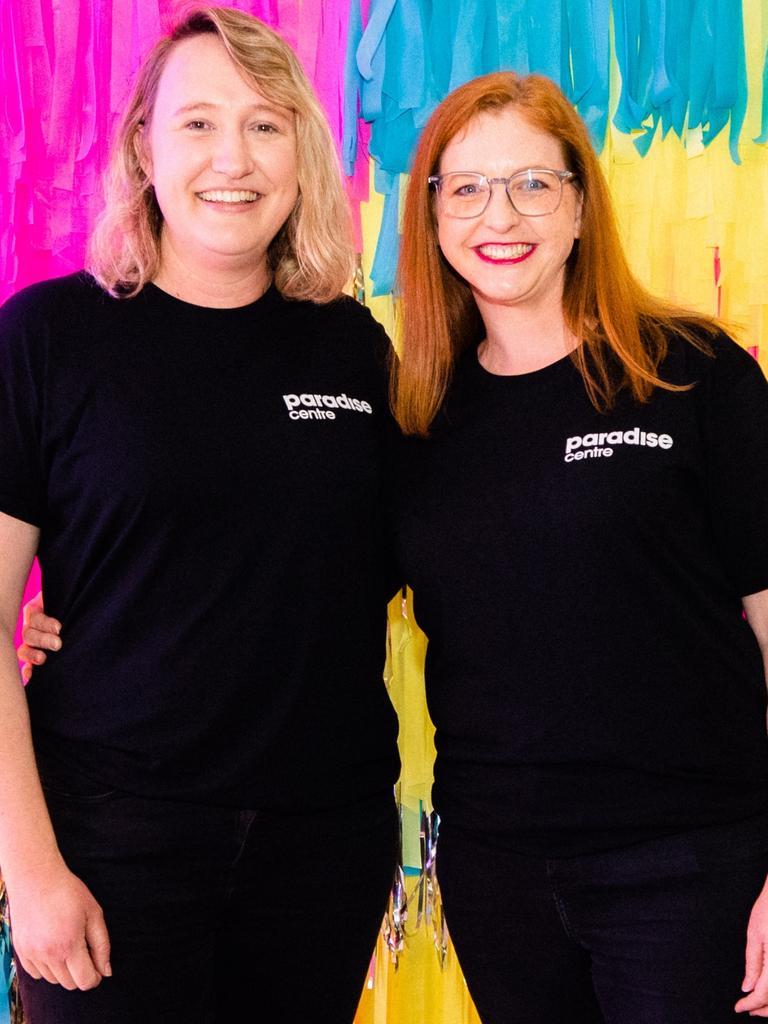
[{"x": 534, "y": 192}]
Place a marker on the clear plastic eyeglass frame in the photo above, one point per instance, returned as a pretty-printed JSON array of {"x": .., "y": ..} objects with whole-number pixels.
[{"x": 466, "y": 194}]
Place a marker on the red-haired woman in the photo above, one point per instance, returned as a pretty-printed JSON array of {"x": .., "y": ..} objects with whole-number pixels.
[{"x": 584, "y": 523}]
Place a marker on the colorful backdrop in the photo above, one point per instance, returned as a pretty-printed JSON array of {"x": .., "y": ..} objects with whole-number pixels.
[{"x": 674, "y": 93}]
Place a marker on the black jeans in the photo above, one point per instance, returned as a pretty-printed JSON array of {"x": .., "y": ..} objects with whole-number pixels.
[
  {"x": 210, "y": 909},
  {"x": 654, "y": 933}
]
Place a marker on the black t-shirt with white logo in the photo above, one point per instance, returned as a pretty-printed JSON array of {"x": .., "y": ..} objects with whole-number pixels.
[
  {"x": 207, "y": 483},
  {"x": 579, "y": 576}
]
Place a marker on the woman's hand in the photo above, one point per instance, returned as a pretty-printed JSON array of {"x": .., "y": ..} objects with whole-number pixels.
[
  {"x": 756, "y": 974},
  {"x": 58, "y": 929},
  {"x": 40, "y": 633}
]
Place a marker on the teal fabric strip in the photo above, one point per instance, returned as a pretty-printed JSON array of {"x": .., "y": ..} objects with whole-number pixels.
[
  {"x": 731, "y": 71},
  {"x": 385, "y": 259},
  {"x": 352, "y": 83},
  {"x": 702, "y": 50},
  {"x": 6, "y": 972},
  {"x": 406, "y": 71},
  {"x": 512, "y": 36},
  {"x": 471, "y": 18},
  {"x": 763, "y": 136},
  {"x": 661, "y": 88},
  {"x": 630, "y": 113},
  {"x": 371, "y": 58},
  {"x": 545, "y": 32},
  {"x": 726, "y": 93},
  {"x": 587, "y": 59},
  {"x": 678, "y": 60}
]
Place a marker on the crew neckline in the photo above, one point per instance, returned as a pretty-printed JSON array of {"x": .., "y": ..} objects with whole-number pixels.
[
  {"x": 472, "y": 358},
  {"x": 159, "y": 296}
]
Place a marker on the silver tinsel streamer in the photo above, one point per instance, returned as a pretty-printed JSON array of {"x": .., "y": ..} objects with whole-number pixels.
[
  {"x": 423, "y": 896},
  {"x": 10, "y": 1005}
]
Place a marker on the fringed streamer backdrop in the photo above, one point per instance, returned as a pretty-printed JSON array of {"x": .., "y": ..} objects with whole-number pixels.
[{"x": 675, "y": 95}]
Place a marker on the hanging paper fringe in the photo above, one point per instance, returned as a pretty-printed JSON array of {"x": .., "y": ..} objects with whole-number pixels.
[
  {"x": 65, "y": 69},
  {"x": 681, "y": 64},
  {"x": 763, "y": 136}
]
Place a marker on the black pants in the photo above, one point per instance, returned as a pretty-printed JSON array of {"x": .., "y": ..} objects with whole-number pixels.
[
  {"x": 210, "y": 909},
  {"x": 654, "y": 933}
]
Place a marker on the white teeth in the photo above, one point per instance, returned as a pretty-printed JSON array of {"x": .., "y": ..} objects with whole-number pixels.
[
  {"x": 505, "y": 252},
  {"x": 227, "y": 196}
]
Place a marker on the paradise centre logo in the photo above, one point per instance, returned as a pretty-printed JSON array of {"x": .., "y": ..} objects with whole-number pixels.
[
  {"x": 597, "y": 446},
  {"x": 322, "y": 407}
]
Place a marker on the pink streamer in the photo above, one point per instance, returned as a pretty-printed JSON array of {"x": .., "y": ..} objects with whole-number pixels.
[
  {"x": 120, "y": 64},
  {"x": 66, "y": 67}
]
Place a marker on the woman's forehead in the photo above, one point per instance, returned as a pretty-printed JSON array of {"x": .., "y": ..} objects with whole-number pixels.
[
  {"x": 501, "y": 137},
  {"x": 199, "y": 72}
]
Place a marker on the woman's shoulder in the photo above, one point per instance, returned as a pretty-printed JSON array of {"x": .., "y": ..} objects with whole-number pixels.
[
  {"x": 54, "y": 297},
  {"x": 347, "y": 323},
  {"x": 709, "y": 352}
]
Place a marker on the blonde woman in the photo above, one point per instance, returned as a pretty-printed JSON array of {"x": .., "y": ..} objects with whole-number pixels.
[
  {"x": 201, "y": 818},
  {"x": 584, "y": 521}
]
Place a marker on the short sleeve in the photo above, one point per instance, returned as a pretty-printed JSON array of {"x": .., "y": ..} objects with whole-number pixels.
[
  {"x": 736, "y": 417},
  {"x": 21, "y": 478}
]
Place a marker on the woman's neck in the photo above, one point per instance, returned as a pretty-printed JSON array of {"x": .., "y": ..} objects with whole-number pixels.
[
  {"x": 227, "y": 286},
  {"x": 523, "y": 340}
]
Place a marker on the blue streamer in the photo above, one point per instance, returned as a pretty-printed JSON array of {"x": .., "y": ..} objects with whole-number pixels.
[
  {"x": 763, "y": 136},
  {"x": 678, "y": 58},
  {"x": 587, "y": 56},
  {"x": 6, "y": 972},
  {"x": 682, "y": 64},
  {"x": 387, "y": 248},
  {"x": 630, "y": 114},
  {"x": 702, "y": 47},
  {"x": 471, "y": 18},
  {"x": 512, "y": 36},
  {"x": 731, "y": 75},
  {"x": 371, "y": 58},
  {"x": 378, "y": 16},
  {"x": 726, "y": 92},
  {"x": 545, "y": 32},
  {"x": 661, "y": 87},
  {"x": 405, "y": 75},
  {"x": 352, "y": 87}
]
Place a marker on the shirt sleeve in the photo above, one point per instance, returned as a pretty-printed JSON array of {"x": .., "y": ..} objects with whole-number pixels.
[
  {"x": 736, "y": 415},
  {"x": 21, "y": 478}
]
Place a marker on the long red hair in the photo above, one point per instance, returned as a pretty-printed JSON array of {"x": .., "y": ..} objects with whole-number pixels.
[{"x": 604, "y": 305}]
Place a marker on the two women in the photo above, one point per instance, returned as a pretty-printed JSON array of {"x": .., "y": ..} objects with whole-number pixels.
[
  {"x": 191, "y": 440},
  {"x": 581, "y": 505}
]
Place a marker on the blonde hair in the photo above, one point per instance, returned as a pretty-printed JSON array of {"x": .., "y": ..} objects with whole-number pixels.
[
  {"x": 604, "y": 305},
  {"x": 311, "y": 256}
]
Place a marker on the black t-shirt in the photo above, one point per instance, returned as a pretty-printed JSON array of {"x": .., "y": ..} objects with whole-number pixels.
[
  {"x": 207, "y": 483},
  {"x": 589, "y": 671}
]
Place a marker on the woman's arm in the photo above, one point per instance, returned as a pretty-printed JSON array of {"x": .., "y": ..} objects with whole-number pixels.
[
  {"x": 756, "y": 611},
  {"x": 58, "y": 928},
  {"x": 756, "y": 974}
]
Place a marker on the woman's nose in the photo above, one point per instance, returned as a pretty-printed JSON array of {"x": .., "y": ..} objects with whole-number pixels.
[
  {"x": 500, "y": 213},
  {"x": 232, "y": 156}
]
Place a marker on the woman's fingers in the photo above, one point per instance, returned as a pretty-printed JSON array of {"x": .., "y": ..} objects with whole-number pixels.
[{"x": 43, "y": 635}]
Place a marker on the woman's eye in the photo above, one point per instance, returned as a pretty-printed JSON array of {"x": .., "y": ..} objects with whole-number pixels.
[
  {"x": 197, "y": 125},
  {"x": 265, "y": 128},
  {"x": 532, "y": 185}
]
